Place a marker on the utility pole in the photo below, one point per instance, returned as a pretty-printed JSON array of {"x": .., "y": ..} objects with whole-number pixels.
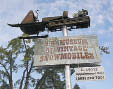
[{"x": 67, "y": 66}]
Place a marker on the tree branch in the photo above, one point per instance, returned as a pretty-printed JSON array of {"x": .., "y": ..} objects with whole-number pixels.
[
  {"x": 5, "y": 69},
  {"x": 21, "y": 83},
  {"x": 40, "y": 82},
  {"x": 28, "y": 75}
]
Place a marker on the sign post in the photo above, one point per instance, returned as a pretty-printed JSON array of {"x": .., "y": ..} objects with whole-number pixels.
[
  {"x": 66, "y": 51},
  {"x": 67, "y": 66}
]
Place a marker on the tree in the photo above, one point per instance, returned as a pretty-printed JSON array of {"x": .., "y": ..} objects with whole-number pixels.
[
  {"x": 104, "y": 49},
  {"x": 76, "y": 86},
  {"x": 8, "y": 64},
  {"x": 8, "y": 61},
  {"x": 51, "y": 80}
]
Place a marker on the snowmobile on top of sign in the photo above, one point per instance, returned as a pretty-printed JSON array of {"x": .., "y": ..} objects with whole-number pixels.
[{"x": 31, "y": 25}]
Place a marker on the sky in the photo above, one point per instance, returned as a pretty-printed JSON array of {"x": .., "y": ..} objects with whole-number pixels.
[{"x": 100, "y": 12}]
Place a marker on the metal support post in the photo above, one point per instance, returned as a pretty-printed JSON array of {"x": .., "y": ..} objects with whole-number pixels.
[{"x": 67, "y": 66}]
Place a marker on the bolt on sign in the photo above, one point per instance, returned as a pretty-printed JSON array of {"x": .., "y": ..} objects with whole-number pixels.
[
  {"x": 66, "y": 50},
  {"x": 90, "y": 73}
]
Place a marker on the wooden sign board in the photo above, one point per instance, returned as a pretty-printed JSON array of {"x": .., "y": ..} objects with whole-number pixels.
[
  {"x": 90, "y": 73},
  {"x": 66, "y": 50}
]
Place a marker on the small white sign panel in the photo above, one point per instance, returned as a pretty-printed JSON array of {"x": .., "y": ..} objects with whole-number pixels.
[
  {"x": 66, "y": 50},
  {"x": 90, "y": 73}
]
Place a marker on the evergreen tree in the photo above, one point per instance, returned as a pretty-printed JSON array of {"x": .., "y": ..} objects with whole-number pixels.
[
  {"x": 9, "y": 66},
  {"x": 76, "y": 86}
]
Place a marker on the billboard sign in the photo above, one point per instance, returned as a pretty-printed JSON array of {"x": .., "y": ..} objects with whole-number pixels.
[{"x": 66, "y": 50}]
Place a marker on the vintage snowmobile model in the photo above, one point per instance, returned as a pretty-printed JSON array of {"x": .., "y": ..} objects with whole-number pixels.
[{"x": 31, "y": 25}]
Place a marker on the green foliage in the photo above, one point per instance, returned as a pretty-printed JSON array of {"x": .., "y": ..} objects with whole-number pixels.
[
  {"x": 28, "y": 54},
  {"x": 3, "y": 52},
  {"x": 76, "y": 86},
  {"x": 53, "y": 80},
  {"x": 8, "y": 67},
  {"x": 104, "y": 49},
  {"x": 15, "y": 46},
  {"x": 4, "y": 85}
]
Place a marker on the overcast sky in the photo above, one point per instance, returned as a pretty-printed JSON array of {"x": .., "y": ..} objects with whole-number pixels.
[{"x": 100, "y": 12}]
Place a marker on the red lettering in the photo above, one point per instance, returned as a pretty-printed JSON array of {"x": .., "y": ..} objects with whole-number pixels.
[
  {"x": 79, "y": 48},
  {"x": 69, "y": 55},
  {"x": 52, "y": 43},
  {"x": 89, "y": 55},
  {"x": 84, "y": 48},
  {"x": 46, "y": 42},
  {"x": 78, "y": 55},
  {"x": 66, "y": 48},
  {"x": 63, "y": 56},
  {"x": 71, "y": 41},
  {"x": 62, "y": 42},
  {"x": 70, "y": 48},
  {"x": 73, "y": 55},
  {"x": 81, "y": 55},
  {"x": 67, "y": 41},
  {"x": 41, "y": 58}
]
